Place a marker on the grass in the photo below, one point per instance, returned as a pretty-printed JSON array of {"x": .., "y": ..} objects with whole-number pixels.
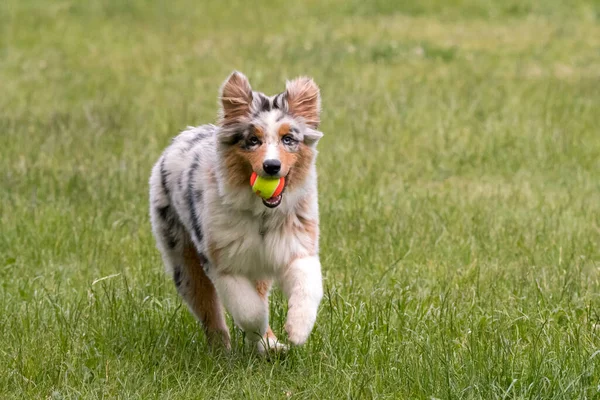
[{"x": 459, "y": 192}]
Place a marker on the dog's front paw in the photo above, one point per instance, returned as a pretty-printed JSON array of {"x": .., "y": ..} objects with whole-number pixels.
[
  {"x": 299, "y": 324},
  {"x": 271, "y": 346}
]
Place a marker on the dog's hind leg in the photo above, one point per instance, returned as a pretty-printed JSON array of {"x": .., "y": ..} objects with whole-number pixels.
[
  {"x": 185, "y": 264},
  {"x": 200, "y": 295},
  {"x": 198, "y": 292}
]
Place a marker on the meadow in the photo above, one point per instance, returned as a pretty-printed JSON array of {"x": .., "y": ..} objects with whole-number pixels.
[{"x": 459, "y": 182}]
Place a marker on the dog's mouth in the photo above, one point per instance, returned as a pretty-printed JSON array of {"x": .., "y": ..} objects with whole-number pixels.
[
  {"x": 273, "y": 185},
  {"x": 273, "y": 201}
]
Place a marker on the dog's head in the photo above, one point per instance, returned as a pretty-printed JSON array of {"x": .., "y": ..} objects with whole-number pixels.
[{"x": 274, "y": 136}]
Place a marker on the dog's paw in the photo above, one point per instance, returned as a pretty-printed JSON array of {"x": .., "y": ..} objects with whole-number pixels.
[
  {"x": 271, "y": 346},
  {"x": 219, "y": 339},
  {"x": 299, "y": 324}
]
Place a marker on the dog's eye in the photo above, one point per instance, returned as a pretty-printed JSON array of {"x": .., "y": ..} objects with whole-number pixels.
[
  {"x": 254, "y": 141},
  {"x": 288, "y": 140}
]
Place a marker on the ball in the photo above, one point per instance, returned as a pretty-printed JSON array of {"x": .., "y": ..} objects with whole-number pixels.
[{"x": 266, "y": 187}]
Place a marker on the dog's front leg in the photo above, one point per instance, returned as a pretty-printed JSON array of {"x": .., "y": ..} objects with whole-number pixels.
[
  {"x": 248, "y": 309},
  {"x": 301, "y": 283}
]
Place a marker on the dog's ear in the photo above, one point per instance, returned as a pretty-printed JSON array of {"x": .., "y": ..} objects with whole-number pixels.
[
  {"x": 312, "y": 136},
  {"x": 304, "y": 100},
  {"x": 235, "y": 98}
]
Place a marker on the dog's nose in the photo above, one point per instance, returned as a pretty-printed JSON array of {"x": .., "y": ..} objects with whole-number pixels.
[{"x": 272, "y": 167}]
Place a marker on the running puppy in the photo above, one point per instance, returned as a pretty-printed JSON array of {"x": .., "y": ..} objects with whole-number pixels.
[{"x": 222, "y": 243}]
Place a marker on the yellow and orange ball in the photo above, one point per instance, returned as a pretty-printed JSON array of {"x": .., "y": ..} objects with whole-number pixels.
[{"x": 266, "y": 187}]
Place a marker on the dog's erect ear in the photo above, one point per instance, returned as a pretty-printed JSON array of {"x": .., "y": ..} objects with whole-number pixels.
[
  {"x": 304, "y": 100},
  {"x": 236, "y": 98},
  {"x": 312, "y": 136}
]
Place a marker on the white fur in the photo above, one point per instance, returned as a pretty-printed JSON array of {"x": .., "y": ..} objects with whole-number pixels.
[
  {"x": 272, "y": 152},
  {"x": 243, "y": 303},
  {"x": 267, "y": 345},
  {"x": 301, "y": 283}
]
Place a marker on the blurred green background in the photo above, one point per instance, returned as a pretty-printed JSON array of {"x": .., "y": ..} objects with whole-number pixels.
[{"x": 459, "y": 184}]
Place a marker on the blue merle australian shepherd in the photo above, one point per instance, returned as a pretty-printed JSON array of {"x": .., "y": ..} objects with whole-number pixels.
[{"x": 222, "y": 244}]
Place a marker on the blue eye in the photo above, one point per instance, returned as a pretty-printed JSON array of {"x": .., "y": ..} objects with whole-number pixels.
[{"x": 288, "y": 140}]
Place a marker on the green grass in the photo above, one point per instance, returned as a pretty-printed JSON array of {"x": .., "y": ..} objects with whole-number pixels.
[{"x": 459, "y": 192}]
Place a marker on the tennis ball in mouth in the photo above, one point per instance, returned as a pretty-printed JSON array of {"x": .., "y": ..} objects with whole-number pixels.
[{"x": 266, "y": 187}]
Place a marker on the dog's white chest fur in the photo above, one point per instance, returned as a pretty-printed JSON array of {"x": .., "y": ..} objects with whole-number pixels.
[{"x": 254, "y": 245}]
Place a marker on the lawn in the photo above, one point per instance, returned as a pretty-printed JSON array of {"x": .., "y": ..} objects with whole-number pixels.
[{"x": 459, "y": 184}]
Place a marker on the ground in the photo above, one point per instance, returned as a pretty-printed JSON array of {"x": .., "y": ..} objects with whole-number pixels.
[{"x": 459, "y": 194}]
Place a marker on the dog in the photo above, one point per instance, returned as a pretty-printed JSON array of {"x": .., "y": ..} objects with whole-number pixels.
[{"x": 221, "y": 243}]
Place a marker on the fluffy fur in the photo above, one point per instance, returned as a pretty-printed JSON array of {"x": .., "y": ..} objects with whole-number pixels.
[{"x": 222, "y": 244}]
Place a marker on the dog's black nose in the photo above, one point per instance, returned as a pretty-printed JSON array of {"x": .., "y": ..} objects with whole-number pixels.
[{"x": 272, "y": 167}]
